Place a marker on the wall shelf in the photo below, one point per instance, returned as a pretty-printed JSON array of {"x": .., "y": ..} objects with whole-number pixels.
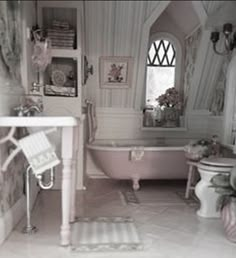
[
  {"x": 62, "y": 22},
  {"x": 73, "y": 53},
  {"x": 164, "y": 129},
  {"x": 61, "y": 68}
]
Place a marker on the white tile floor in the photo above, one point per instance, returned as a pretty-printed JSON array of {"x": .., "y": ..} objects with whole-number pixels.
[{"x": 168, "y": 229}]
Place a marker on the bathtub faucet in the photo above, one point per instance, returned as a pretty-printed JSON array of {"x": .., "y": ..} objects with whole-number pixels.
[{"x": 27, "y": 110}]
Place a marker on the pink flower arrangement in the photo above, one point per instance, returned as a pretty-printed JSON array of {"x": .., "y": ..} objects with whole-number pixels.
[{"x": 171, "y": 98}]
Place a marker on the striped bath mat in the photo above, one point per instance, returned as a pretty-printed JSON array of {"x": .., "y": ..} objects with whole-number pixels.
[
  {"x": 155, "y": 197},
  {"x": 105, "y": 234}
]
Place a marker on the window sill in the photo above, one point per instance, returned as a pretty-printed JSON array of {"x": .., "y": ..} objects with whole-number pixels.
[{"x": 164, "y": 129}]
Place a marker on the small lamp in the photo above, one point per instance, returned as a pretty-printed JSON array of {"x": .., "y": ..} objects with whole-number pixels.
[
  {"x": 221, "y": 22},
  {"x": 229, "y": 40}
]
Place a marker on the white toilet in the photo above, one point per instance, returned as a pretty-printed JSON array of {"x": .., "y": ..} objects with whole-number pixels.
[{"x": 208, "y": 168}]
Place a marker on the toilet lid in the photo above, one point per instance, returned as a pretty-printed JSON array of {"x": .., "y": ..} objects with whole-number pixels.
[
  {"x": 213, "y": 169},
  {"x": 221, "y": 162}
]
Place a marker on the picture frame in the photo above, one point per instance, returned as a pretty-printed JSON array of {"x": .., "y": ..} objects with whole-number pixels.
[
  {"x": 115, "y": 72},
  {"x": 60, "y": 78}
]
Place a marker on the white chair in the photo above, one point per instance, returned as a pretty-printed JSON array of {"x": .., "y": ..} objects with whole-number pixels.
[{"x": 191, "y": 181}]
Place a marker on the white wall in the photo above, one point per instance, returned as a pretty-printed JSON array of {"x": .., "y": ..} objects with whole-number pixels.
[
  {"x": 114, "y": 28},
  {"x": 166, "y": 24},
  {"x": 120, "y": 123}
]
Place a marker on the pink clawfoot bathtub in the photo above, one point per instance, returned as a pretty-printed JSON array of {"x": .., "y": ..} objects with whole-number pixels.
[{"x": 136, "y": 162}]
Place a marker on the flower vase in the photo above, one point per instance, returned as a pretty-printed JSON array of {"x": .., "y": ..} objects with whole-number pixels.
[
  {"x": 170, "y": 117},
  {"x": 228, "y": 215}
]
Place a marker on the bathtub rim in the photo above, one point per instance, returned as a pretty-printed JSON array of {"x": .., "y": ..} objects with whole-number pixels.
[{"x": 96, "y": 146}]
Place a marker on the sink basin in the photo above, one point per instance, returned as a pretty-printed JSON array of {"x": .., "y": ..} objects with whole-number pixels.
[{"x": 39, "y": 123}]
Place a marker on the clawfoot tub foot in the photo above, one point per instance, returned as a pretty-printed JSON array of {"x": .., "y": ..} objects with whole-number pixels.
[{"x": 136, "y": 185}]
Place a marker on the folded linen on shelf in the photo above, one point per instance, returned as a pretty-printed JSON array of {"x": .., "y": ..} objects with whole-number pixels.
[
  {"x": 62, "y": 47},
  {"x": 61, "y": 39},
  {"x": 62, "y": 42},
  {"x": 62, "y": 91},
  {"x": 60, "y": 24},
  {"x": 61, "y": 33},
  {"x": 57, "y": 40}
]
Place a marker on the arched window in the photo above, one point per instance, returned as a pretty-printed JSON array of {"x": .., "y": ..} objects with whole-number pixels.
[{"x": 162, "y": 71}]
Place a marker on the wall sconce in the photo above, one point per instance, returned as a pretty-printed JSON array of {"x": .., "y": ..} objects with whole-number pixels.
[{"x": 230, "y": 39}]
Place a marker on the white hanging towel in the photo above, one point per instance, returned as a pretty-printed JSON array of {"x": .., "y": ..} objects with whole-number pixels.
[
  {"x": 92, "y": 120},
  {"x": 39, "y": 152}
]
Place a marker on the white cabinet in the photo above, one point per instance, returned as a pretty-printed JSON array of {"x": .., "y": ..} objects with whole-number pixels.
[
  {"x": 62, "y": 22},
  {"x": 62, "y": 80}
]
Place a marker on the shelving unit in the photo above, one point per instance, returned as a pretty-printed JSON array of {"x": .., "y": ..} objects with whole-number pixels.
[
  {"x": 62, "y": 79},
  {"x": 68, "y": 61}
]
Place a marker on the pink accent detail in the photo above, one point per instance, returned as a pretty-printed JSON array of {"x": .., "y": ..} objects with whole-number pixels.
[
  {"x": 92, "y": 120},
  {"x": 136, "y": 185},
  {"x": 157, "y": 162},
  {"x": 229, "y": 220}
]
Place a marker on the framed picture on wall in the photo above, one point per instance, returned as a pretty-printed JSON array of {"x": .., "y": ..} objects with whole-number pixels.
[{"x": 115, "y": 72}]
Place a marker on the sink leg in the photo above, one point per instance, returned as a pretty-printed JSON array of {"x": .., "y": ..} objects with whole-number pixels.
[
  {"x": 67, "y": 156},
  {"x": 29, "y": 228},
  {"x": 73, "y": 191}
]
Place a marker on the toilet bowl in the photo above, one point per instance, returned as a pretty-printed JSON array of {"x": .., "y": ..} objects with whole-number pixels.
[{"x": 208, "y": 168}]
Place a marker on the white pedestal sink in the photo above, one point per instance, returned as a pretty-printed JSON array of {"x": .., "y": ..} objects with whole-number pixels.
[{"x": 69, "y": 139}]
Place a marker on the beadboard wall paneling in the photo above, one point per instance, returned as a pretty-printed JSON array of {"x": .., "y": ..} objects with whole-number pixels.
[
  {"x": 126, "y": 123},
  {"x": 114, "y": 28},
  {"x": 215, "y": 127}
]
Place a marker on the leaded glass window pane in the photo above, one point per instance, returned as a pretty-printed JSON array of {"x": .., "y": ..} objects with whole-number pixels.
[
  {"x": 161, "y": 53},
  {"x": 160, "y": 70}
]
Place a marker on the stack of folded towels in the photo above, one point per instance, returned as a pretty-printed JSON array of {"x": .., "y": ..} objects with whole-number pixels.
[{"x": 61, "y": 35}]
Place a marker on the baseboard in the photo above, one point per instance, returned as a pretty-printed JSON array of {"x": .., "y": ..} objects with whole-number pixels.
[{"x": 11, "y": 218}]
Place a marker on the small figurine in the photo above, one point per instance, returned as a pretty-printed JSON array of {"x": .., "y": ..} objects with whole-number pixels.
[{"x": 215, "y": 148}]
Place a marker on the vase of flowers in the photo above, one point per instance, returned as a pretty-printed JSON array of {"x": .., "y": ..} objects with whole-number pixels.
[
  {"x": 196, "y": 150},
  {"x": 171, "y": 104}
]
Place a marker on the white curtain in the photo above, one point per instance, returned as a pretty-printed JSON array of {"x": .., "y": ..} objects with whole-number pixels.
[{"x": 10, "y": 40}]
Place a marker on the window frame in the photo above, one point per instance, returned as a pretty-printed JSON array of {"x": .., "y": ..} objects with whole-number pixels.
[{"x": 178, "y": 58}]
